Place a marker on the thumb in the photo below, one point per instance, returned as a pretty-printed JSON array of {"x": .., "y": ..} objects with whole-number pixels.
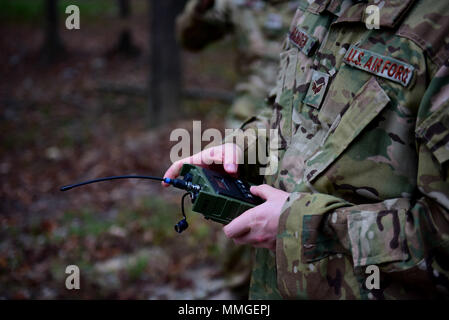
[{"x": 263, "y": 191}]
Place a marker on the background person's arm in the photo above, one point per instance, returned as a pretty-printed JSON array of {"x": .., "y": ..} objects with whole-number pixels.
[{"x": 203, "y": 22}]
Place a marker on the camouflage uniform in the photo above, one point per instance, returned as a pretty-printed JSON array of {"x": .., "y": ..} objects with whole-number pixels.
[
  {"x": 364, "y": 122},
  {"x": 259, "y": 28}
]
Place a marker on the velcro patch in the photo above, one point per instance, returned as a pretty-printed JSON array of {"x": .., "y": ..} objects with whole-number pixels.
[
  {"x": 379, "y": 65},
  {"x": 317, "y": 89},
  {"x": 302, "y": 40}
]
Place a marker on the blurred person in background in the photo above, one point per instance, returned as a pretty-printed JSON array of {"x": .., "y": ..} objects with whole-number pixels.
[{"x": 258, "y": 27}]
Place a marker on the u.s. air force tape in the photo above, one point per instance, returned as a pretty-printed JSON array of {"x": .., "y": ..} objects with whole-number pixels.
[{"x": 379, "y": 65}]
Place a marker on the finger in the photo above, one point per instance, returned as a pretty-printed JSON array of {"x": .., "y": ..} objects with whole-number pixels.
[
  {"x": 211, "y": 156},
  {"x": 240, "y": 225},
  {"x": 263, "y": 191},
  {"x": 202, "y": 159},
  {"x": 174, "y": 170},
  {"x": 247, "y": 238},
  {"x": 231, "y": 158},
  {"x": 255, "y": 241}
]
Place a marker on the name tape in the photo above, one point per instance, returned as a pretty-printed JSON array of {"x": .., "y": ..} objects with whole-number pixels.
[
  {"x": 302, "y": 40},
  {"x": 379, "y": 65}
]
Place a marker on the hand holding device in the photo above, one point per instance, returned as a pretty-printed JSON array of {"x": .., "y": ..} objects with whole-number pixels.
[
  {"x": 218, "y": 196},
  {"x": 228, "y": 155}
]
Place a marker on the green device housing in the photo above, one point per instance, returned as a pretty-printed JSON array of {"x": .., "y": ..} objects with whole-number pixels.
[{"x": 221, "y": 197}]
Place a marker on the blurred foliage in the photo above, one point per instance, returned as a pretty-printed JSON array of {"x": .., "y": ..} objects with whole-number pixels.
[
  {"x": 60, "y": 128},
  {"x": 113, "y": 250}
]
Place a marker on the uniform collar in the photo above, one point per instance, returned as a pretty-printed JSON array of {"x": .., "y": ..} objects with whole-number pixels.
[
  {"x": 318, "y": 6},
  {"x": 336, "y": 7},
  {"x": 391, "y": 13}
]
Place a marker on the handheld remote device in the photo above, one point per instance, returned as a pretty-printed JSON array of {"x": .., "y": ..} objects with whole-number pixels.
[
  {"x": 217, "y": 196},
  {"x": 220, "y": 197}
]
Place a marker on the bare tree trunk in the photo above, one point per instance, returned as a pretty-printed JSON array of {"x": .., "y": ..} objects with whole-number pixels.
[
  {"x": 53, "y": 47},
  {"x": 125, "y": 8},
  {"x": 125, "y": 44},
  {"x": 165, "y": 65}
]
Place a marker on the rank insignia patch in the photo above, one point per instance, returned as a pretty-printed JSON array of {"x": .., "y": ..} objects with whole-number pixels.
[
  {"x": 379, "y": 65},
  {"x": 302, "y": 40},
  {"x": 317, "y": 89}
]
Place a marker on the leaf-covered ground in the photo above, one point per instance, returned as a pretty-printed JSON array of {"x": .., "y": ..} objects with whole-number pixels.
[{"x": 57, "y": 128}]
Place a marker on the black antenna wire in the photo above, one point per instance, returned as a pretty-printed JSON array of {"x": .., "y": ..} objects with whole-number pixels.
[
  {"x": 182, "y": 224},
  {"x": 177, "y": 183},
  {"x": 71, "y": 186}
]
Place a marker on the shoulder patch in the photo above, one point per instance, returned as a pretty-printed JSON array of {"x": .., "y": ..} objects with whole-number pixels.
[{"x": 380, "y": 65}]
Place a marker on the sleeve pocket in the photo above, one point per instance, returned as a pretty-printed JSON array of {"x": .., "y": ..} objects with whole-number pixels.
[
  {"x": 377, "y": 237},
  {"x": 434, "y": 132}
]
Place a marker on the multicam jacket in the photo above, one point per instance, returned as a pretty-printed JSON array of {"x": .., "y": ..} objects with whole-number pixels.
[
  {"x": 363, "y": 117},
  {"x": 258, "y": 27}
]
